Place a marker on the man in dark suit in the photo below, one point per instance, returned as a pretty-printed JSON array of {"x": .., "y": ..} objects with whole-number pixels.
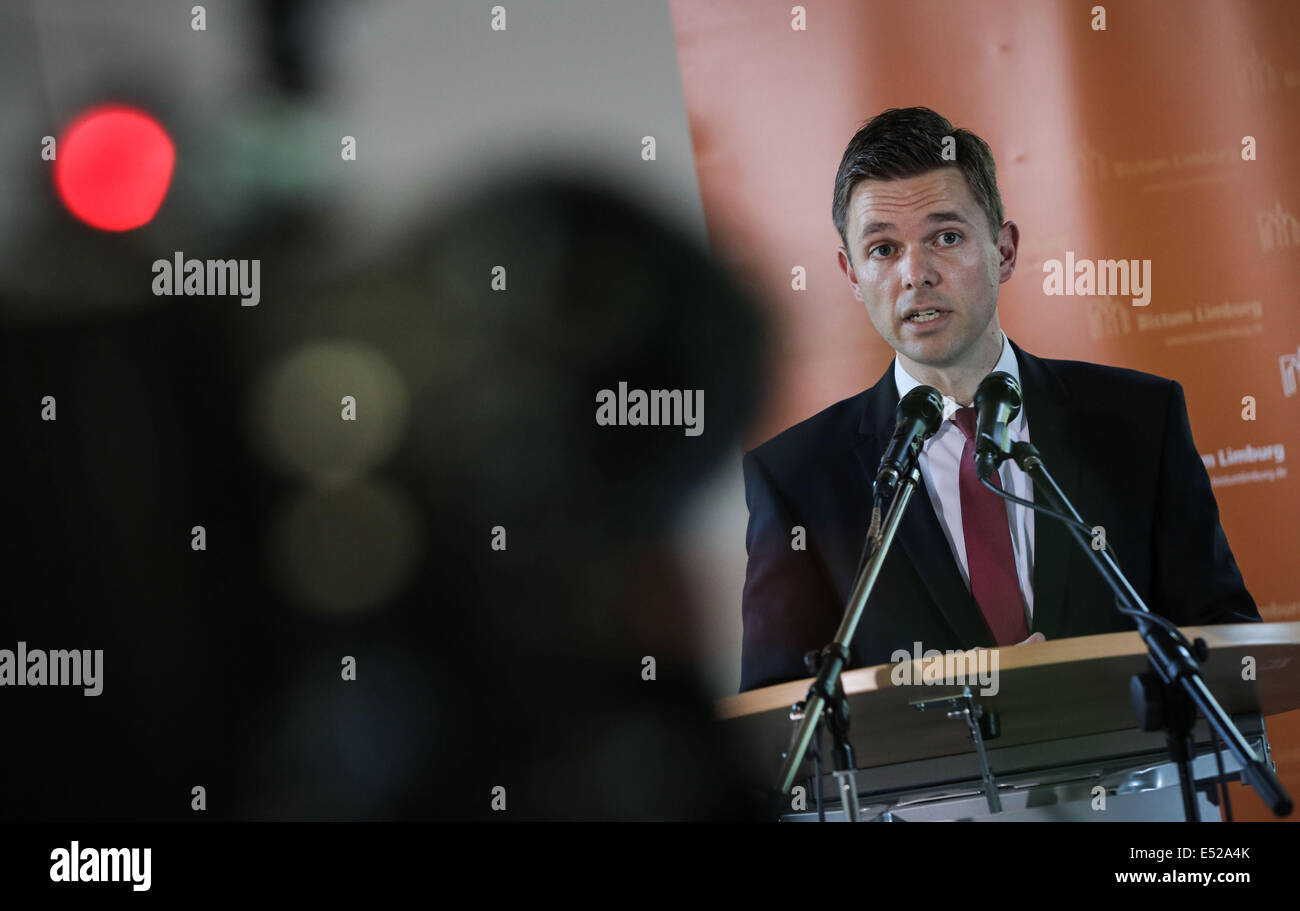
[{"x": 925, "y": 249}]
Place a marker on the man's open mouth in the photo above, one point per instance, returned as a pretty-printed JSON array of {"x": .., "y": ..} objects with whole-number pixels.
[{"x": 924, "y": 316}]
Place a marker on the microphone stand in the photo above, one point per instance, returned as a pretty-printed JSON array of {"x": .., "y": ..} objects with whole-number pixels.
[
  {"x": 826, "y": 695},
  {"x": 1167, "y": 696}
]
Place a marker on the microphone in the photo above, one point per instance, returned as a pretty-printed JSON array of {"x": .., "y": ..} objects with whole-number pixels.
[
  {"x": 919, "y": 415},
  {"x": 997, "y": 402}
]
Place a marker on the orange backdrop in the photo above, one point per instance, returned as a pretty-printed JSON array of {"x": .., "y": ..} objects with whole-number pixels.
[{"x": 1117, "y": 143}]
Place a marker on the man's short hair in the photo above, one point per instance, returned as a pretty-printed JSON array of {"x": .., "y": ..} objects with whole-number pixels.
[{"x": 907, "y": 142}]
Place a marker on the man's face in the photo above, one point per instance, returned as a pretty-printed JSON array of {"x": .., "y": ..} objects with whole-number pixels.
[{"x": 922, "y": 244}]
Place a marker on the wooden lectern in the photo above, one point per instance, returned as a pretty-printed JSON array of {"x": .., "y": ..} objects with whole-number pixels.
[{"x": 1059, "y": 736}]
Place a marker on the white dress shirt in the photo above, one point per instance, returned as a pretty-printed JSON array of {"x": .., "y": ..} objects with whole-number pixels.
[{"x": 939, "y": 463}]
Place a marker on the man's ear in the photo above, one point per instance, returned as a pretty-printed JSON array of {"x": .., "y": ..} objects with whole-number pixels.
[
  {"x": 1008, "y": 247},
  {"x": 846, "y": 266}
]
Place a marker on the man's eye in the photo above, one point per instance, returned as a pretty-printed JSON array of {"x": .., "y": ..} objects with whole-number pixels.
[
  {"x": 952, "y": 233},
  {"x": 881, "y": 247}
]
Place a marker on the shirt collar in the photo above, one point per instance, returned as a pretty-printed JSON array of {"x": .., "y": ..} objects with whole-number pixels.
[{"x": 1006, "y": 362}]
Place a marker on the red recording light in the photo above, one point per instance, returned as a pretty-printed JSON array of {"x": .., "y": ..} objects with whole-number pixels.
[{"x": 113, "y": 166}]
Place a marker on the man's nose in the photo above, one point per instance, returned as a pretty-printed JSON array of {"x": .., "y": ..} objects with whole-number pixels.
[{"x": 918, "y": 271}]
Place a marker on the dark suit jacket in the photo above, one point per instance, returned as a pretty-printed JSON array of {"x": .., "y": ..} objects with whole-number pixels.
[{"x": 1118, "y": 443}]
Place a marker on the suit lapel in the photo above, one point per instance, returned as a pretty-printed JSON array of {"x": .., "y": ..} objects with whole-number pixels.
[
  {"x": 919, "y": 538},
  {"x": 1053, "y": 428}
]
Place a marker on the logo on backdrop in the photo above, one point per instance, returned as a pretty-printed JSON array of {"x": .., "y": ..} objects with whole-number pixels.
[
  {"x": 1278, "y": 228},
  {"x": 1255, "y": 75},
  {"x": 1091, "y": 164},
  {"x": 1249, "y": 464},
  {"x": 1106, "y": 317},
  {"x": 1290, "y": 364}
]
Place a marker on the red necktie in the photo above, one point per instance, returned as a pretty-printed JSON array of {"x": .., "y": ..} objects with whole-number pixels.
[{"x": 993, "y": 578}]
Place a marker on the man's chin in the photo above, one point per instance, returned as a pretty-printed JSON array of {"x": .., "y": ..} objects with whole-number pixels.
[{"x": 928, "y": 355}]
